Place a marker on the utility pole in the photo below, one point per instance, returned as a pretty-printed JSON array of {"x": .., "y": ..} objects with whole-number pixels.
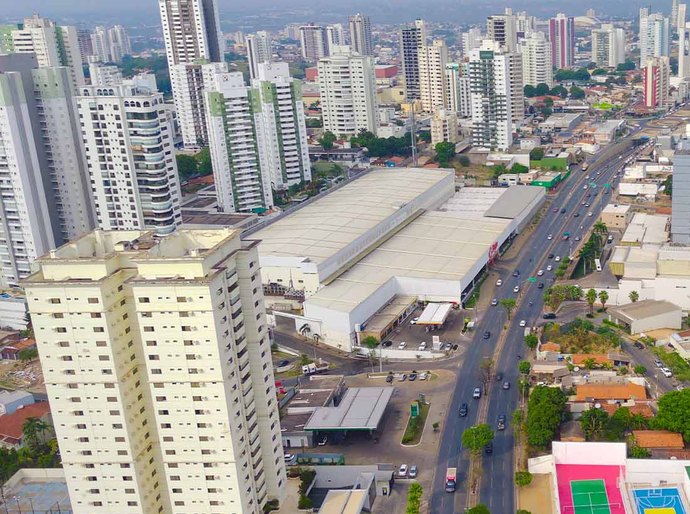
[{"x": 413, "y": 135}]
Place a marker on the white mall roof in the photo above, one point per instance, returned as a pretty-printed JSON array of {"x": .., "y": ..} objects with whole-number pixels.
[
  {"x": 361, "y": 408},
  {"x": 321, "y": 229}
]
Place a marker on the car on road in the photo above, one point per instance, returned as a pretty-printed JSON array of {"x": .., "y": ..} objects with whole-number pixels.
[
  {"x": 402, "y": 470},
  {"x": 516, "y": 273},
  {"x": 506, "y": 385},
  {"x": 487, "y": 335},
  {"x": 586, "y": 205},
  {"x": 499, "y": 282},
  {"x": 584, "y": 187},
  {"x": 667, "y": 372},
  {"x": 402, "y": 345},
  {"x": 658, "y": 363},
  {"x": 412, "y": 473},
  {"x": 558, "y": 258},
  {"x": 501, "y": 425},
  {"x": 462, "y": 412},
  {"x": 549, "y": 267},
  {"x": 489, "y": 448},
  {"x": 499, "y": 377},
  {"x": 638, "y": 345},
  {"x": 494, "y": 302},
  {"x": 577, "y": 214},
  {"x": 402, "y": 377},
  {"x": 540, "y": 285},
  {"x": 387, "y": 344},
  {"x": 523, "y": 323},
  {"x": 540, "y": 272},
  {"x": 516, "y": 289},
  {"x": 477, "y": 393},
  {"x": 549, "y": 237},
  {"x": 590, "y": 214},
  {"x": 550, "y": 256},
  {"x": 555, "y": 209},
  {"x": 414, "y": 321},
  {"x": 577, "y": 238},
  {"x": 549, "y": 315},
  {"x": 562, "y": 211},
  {"x": 447, "y": 347}
]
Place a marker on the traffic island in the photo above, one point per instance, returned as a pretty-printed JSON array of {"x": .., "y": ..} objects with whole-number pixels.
[{"x": 419, "y": 411}]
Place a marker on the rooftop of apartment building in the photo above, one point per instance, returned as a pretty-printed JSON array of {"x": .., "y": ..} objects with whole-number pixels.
[{"x": 37, "y": 490}]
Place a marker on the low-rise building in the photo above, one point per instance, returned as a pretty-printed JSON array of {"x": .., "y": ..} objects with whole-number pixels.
[
  {"x": 616, "y": 216},
  {"x": 646, "y": 315},
  {"x": 646, "y": 229},
  {"x": 12, "y": 425},
  {"x": 606, "y": 131},
  {"x": 658, "y": 440},
  {"x": 681, "y": 343},
  {"x": 10, "y": 401},
  {"x": 558, "y": 122}
]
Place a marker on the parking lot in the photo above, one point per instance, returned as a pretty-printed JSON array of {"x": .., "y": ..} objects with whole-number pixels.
[{"x": 413, "y": 335}]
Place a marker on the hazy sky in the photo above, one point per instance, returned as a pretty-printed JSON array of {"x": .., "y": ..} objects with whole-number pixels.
[{"x": 127, "y": 11}]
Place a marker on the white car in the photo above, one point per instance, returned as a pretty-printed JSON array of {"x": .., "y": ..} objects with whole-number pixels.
[
  {"x": 590, "y": 214},
  {"x": 584, "y": 187},
  {"x": 402, "y": 345},
  {"x": 523, "y": 323},
  {"x": 549, "y": 267},
  {"x": 499, "y": 282},
  {"x": 550, "y": 237},
  {"x": 558, "y": 258},
  {"x": 540, "y": 272},
  {"x": 414, "y": 321},
  {"x": 667, "y": 372},
  {"x": 516, "y": 289},
  {"x": 402, "y": 470},
  {"x": 422, "y": 346}
]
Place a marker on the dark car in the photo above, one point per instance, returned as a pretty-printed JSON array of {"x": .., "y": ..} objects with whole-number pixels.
[
  {"x": 550, "y": 256},
  {"x": 577, "y": 214},
  {"x": 463, "y": 410},
  {"x": 516, "y": 273},
  {"x": 386, "y": 344},
  {"x": 283, "y": 363},
  {"x": 499, "y": 377},
  {"x": 487, "y": 334},
  {"x": 413, "y": 376},
  {"x": 562, "y": 211},
  {"x": 389, "y": 379},
  {"x": 540, "y": 285},
  {"x": 555, "y": 209},
  {"x": 549, "y": 315},
  {"x": 489, "y": 448},
  {"x": 639, "y": 345}
]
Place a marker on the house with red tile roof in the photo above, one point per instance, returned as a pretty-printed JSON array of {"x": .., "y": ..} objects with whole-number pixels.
[{"x": 12, "y": 425}]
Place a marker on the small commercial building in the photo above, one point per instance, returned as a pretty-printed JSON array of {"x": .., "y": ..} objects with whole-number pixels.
[
  {"x": 646, "y": 229},
  {"x": 658, "y": 440},
  {"x": 10, "y": 401},
  {"x": 681, "y": 343},
  {"x": 646, "y": 315},
  {"x": 616, "y": 216}
]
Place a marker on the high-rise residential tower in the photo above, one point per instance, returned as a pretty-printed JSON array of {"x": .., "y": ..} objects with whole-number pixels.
[
  {"x": 608, "y": 46},
  {"x": 360, "y": 34},
  {"x": 656, "y": 82},
  {"x": 348, "y": 92},
  {"x": 654, "y": 35},
  {"x": 335, "y": 36},
  {"x": 458, "y": 86},
  {"x": 535, "y": 51},
  {"x": 502, "y": 29},
  {"x": 157, "y": 364},
  {"x": 683, "y": 43},
  {"x": 490, "y": 90},
  {"x": 118, "y": 43},
  {"x": 313, "y": 42},
  {"x": 100, "y": 45},
  {"x": 45, "y": 197},
  {"x": 127, "y": 134},
  {"x": 562, "y": 37},
  {"x": 411, "y": 40},
  {"x": 470, "y": 40},
  {"x": 432, "y": 75},
  {"x": 259, "y": 49},
  {"x": 192, "y": 35}
]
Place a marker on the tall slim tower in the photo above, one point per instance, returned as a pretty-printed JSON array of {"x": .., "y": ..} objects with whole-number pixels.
[
  {"x": 657, "y": 82},
  {"x": 118, "y": 43},
  {"x": 562, "y": 37},
  {"x": 313, "y": 42},
  {"x": 654, "y": 35},
  {"x": 536, "y": 60},
  {"x": 191, "y": 31},
  {"x": 683, "y": 43},
  {"x": 360, "y": 34},
  {"x": 259, "y": 50},
  {"x": 502, "y": 28},
  {"x": 157, "y": 364},
  {"x": 608, "y": 46},
  {"x": 99, "y": 45},
  {"x": 432, "y": 75},
  {"x": 411, "y": 40}
]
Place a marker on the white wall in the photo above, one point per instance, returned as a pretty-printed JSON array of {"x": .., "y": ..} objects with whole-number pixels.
[
  {"x": 604, "y": 454},
  {"x": 655, "y": 470}
]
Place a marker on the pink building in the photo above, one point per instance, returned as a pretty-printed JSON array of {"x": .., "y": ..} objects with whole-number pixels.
[{"x": 562, "y": 38}]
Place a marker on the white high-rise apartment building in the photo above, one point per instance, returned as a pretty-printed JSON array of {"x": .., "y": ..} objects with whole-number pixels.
[
  {"x": 524, "y": 25},
  {"x": 99, "y": 45},
  {"x": 313, "y": 42},
  {"x": 490, "y": 90},
  {"x": 411, "y": 40},
  {"x": 360, "y": 34},
  {"x": 470, "y": 40},
  {"x": 654, "y": 35},
  {"x": 458, "y": 85},
  {"x": 104, "y": 74},
  {"x": 44, "y": 196},
  {"x": 502, "y": 28},
  {"x": 53, "y": 45},
  {"x": 608, "y": 46},
  {"x": 683, "y": 43},
  {"x": 258, "y": 136},
  {"x": 536, "y": 60},
  {"x": 118, "y": 43},
  {"x": 128, "y": 141},
  {"x": 347, "y": 83},
  {"x": 157, "y": 364},
  {"x": 191, "y": 31},
  {"x": 335, "y": 36},
  {"x": 259, "y": 49},
  {"x": 432, "y": 61}
]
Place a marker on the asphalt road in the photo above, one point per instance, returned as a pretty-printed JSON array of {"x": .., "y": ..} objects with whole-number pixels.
[{"x": 497, "y": 485}]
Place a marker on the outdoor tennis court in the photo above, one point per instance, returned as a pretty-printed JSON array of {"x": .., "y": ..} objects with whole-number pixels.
[
  {"x": 664, "y": 500},
  {"x": 589, "y": 497}
]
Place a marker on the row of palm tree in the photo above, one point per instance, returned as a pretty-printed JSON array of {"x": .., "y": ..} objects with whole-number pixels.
[
  {"x": 592, "y": 249},
  {"x": 591, "y": 297}
]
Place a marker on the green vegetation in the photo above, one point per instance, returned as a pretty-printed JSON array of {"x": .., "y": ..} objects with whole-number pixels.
[
  {"x": 545, "y": 410},
  {"x": 28, "y": 354},
  {"x": 628, "y": 65},
  {"x": 519, "y": 168},
  {"x": 531, "y": 340},
  {"x": 677, "y": 364},
  {"x": 327, "y": 140},
  {"x": 581, "y": 336},
  {"x": 271, "y": 505},
  {"x": 157, "y": 65},
  {"x": 382, "y": 147},
  {"x": 477, "y": 437},
  {"x": 478, "y": 509},
  {"x": 472, "y": 300},
  {"x": 445, "y": 152},
  {"x": 604, "y": 106},
  {"x": 591, "y": 298},
  {"x": 668, "y": 186},
  {"x": 415, "y": 426},
  {"x": 639, "y": 369},
  {"x": 463, "y": 161},
  {"x": 577, "y": 93},
  {"x": 555, "y": 295},
  {"x": 634, "y": 296},
  {"x": 508, "y": 304},
  {"x": 674, "y": 413},
  {"x": 414, "y": 499},
  {"x": 536, "y": 154},
  {"x": 306, "y": 477},
  {"x": 597, "y": 425},
  {"x": 550, "y": 163},
  {"x": 523, "y": 478},
  {"x": 581, "y": 74},
  {"x": 524, "y": 367},
  {"x": 39, "y": 451},
  {"x": 190, "y": 166}
]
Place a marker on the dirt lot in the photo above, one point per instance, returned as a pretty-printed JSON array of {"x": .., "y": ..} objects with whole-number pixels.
[{"x": 18, "y": 375}]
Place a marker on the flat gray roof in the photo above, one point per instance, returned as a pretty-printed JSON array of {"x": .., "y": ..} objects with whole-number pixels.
[
  {"x": 512, "y": 202},
  {"x": 361, "y": 408},
  {"x": 643, "y": 309}
]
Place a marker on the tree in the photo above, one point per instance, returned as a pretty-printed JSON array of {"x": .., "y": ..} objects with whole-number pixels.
[
  {"x": 591, "y": 297},
  {"x": 560, "y": 91},
  {"x": 523, "y": 478},
  {"x": 639, "y": 453},
  {"x": 577, "y": 93},
  {"x": 414, "y": 499},
  {"x": 478, "y": 509},
  {"x": 186, "y": 166},
  {"x": 519, "y": 168},
  {"x": 371, "y": 343},
  {"x": 628, "y": 65},
  {"x": 674, "y": 413},
  {"x": 33, "y": 430},
  {"x": 531, "y": 340},
  {"x": 508, "y": 304},
  {"x": 524, "y": 367},
  {"x": 600, "y": 228},
  {"x": 541, "y": 89},
  {"x": 599, "y": 71},
  {"x": 530, "y": 91},
  {"x": 445, "y": 151},
  {"x": 639, "y": 369},
  {"x": 477, "y": 437},
  {"x": 486, "y": 366},
  {"x": 544, "y": 414},
  {"x": 592, "y": 422},
  {"x": 536, "y": 154},
  {"x": 205, "y": 166},
  {"x": 463, "y": 160},
  {"x": 668, "y": 186},
  {"x": 634, "y": 296},
  {"x": 28, "y": 354},
  {"x": 326, "y": 141},
  {"x": 603, "y": 298}
]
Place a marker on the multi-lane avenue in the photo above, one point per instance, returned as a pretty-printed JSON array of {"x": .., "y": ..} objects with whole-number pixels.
[{"x": 497, "y": 483}]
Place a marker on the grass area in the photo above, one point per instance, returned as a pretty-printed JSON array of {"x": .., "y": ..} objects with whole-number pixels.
[
  {"x": 548, "y": 163},
  {"x": 674, "y": 362},
  {"x": 581, "y": 336},
  {"x": 604, "y": 106},
  {"x": 415, "y": 426},
  {"x": 327, "y": 169},
  {"x": 471, "y": 302}
]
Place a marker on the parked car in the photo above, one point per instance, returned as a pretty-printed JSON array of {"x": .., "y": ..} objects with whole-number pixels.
[
  {"x": 322, "y": 441},
  {"x": 638, "y": 345},
  {"x": 423, "y": 375},
  {"x": 402, "y": 377},
  {"x": 413, "y": 376},
  {"x": 667, "y": 372},
  {"x": 283, "y": 363},
  {"x": 414, "y": 321},
  {"x": 487, "y": 335},
  {"x": 402, "y": 470},
  {"x": 499, "y": 282},
  {"x": 387, "y": 344},
  {"x": 402, "y": 345},
  {"x": 462, "y": 412},
  {"x": 549, "y": 315},
  {"x": 389, "y": 379},
  {"x": 290, "y": 458},
  {"x": 422, "y": 346},
  {"x": 658, "y": 363},
  {"x": 477, "y": 393},
  {"x": 412, "y": 473},
  {"x": 506, "y": 385}
]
